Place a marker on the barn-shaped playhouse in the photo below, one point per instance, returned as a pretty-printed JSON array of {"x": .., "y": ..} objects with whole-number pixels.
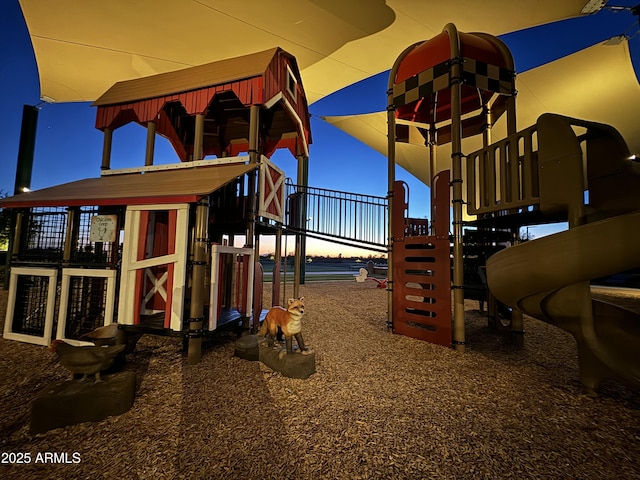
[{"x": 151, "y": 247}]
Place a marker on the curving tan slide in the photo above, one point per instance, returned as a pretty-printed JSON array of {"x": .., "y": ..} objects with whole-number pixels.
[{"x": 548, "y": 278}]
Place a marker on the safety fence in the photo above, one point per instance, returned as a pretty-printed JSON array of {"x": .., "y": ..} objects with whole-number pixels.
[{"x": 344, "y": 217}]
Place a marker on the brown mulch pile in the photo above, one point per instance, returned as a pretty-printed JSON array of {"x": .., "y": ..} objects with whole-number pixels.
[{"x": 379, "y": 406}]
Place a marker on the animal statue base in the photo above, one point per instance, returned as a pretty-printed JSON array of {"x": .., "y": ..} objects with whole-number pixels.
[
  {"x": 252, "y": 347},
  {"x": 70, "y": 402}
]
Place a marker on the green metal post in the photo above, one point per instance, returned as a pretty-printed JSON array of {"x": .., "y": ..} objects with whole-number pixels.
[{"x": 26, "y": 150}]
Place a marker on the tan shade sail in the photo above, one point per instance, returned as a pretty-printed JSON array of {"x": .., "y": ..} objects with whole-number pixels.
[
  {"x": 596, "y": 84},
  {"x": 83, "y": 47},
  {"x": 165, "y": 186}
]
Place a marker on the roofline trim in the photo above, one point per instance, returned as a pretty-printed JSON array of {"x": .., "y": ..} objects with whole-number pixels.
[{"x": 176, "y": 166}]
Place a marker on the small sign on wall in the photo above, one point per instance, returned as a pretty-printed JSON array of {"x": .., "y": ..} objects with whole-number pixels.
[{"x": 103, "y": 228}]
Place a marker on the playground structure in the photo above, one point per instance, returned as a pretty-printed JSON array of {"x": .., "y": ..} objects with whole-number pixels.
[
  {"x": 432, "y": 85},
  {"x": 549, "y": 278},
  {"x": 152, "y": 247},
  {"x": 541, "y": 174}
]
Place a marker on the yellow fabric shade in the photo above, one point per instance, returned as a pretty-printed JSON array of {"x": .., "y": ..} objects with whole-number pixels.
[
  {"x": 83, "y": 48},
  {"x": 596, "y": 84}
]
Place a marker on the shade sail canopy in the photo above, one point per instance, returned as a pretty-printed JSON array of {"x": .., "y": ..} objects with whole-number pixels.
[
  {"x": 152, "y": 187},
  {"x": 596, "y": 84},
  {"x": 83, "y": 48}
]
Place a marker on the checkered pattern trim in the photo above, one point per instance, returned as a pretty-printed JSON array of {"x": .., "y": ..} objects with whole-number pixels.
[
  {"x": 421, "y": 85},
  {"x": 474, "y": 73},
  {"x": 488, "y": 77}
]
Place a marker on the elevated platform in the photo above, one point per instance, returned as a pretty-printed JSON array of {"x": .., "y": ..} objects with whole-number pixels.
[{"x": 507, "y": 219}]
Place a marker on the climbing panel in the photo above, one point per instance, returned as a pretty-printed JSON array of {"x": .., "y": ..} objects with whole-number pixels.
[{"x": 422, "y": 270}]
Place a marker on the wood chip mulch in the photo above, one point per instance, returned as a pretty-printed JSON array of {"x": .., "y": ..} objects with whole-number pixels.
[{"x": 379, "y": 406}]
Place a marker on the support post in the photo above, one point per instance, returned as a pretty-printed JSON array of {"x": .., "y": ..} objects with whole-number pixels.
[
  {"x": 17, "y": 234},
  {"x": 24, "y": 169},
  {"x": 254, "y": 157},
  {"x": 257, "y": 248},
  {"x": 512, "y": 126},
  {"x": 284, "y": 272},
  {"x": 198, "y": 137},
  {"x": 297, "y": 256},
  {"x": 106, "y": 149},
  {"x": 252, "y": 192},
  {"x": 456, "y": 170},
  {"x": 12, "y": 244},
  {"x": 301, "y": 239},
  {"x": 517, "y": 319},
  {"x": 151, "y": 140},
  {"x": 26, "y": 148},
  {"x": 296, "y": 267},
  {"x": 486, "y": 133},
  {"x": 70, "y": 237},
  {"x": 432, "y": 143},
  {"x": 196, "y": 310},
  {"x": 391, "y": 178},
  {"x": 15, "y": 229},
  {"x": 275, "y": 283}
]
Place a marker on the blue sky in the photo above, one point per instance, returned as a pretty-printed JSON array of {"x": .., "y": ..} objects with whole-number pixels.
[{"x": 68, "y": 147}]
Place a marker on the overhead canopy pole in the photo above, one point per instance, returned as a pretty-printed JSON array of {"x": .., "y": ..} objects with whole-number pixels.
[{"x": 26, "y": 150}]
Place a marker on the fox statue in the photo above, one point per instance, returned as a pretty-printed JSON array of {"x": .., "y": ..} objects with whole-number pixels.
[{"x": 290, "y": 322}]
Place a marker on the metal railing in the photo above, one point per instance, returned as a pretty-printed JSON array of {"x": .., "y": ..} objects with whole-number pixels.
[
  {"x": 357, "y": 219},
  {"x": 504, "y": 175}
]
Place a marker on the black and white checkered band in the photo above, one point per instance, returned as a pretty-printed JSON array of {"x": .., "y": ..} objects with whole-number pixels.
[
  {"x": 474, "y": 73},
  {"x": 421, "y": 85},
  {"x": 488, "y": 77}
]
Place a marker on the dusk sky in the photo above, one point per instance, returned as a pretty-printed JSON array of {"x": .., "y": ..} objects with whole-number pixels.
[{"x": 68, "y": 147}]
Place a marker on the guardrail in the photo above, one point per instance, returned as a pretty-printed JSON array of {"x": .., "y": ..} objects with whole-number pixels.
[
  {"x": 504, "y": 175},
  {"x": 335, "y": 215}
]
